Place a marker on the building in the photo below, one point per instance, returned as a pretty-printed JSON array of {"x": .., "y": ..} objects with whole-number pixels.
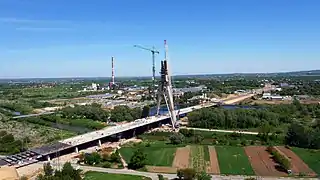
[
  {"x": 269, "y": 96},
  {"x": 177, "y": 93},
  {"x": 190, "y": 89}
]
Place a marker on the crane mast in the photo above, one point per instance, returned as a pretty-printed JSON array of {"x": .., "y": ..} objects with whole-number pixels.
[{"x": 153, "y": 51}]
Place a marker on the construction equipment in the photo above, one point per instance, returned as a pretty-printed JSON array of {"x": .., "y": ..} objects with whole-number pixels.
[{"x": 153, "y": 51}]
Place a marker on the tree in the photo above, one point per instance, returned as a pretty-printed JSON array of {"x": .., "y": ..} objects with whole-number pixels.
[
  {"x": 145, "y": 111},
  {"x": 187, "y": 174},
  {"x": 187, "y": 132},
  {"x": 197, "y": 138},
  {"x": 92, "y": 159},
  {"x": 69, "y": 171},
  {"x": 48, "y": 170},
  {"x": 264, "y": 131},
  {"x": 176, "y": 138},
  {"x": 160, "y": 177},
  {"x": 138, "y": 160}
]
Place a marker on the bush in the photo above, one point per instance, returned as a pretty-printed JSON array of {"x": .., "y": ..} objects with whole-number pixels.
[
  {"x": 138, "y": 160},
  {"x": 160, "y": 177},
  {"x": 23, "y": 178},
  {"x": 106, "y": 165},
  {"x": 187, "y": 132},
  {"x": 176, "y": 138},
  {"x": 243, "y": 142},
  {"x": 187, "y": 173},
  {"x": 115, "y": 157}
]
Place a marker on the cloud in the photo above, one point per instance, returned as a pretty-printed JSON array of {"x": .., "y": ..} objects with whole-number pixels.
[
  {"x": 28, "y": 21},
  {"x": 36, "y": 25},
  {"x": 44, "y": 29}
]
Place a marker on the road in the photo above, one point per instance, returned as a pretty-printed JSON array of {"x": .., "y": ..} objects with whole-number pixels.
[
  {"x": 31, "y": 115},
  {"x": 223, "y": 131}
]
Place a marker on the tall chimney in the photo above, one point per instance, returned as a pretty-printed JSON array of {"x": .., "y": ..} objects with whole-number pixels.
[{"x": 112, "y": 66}]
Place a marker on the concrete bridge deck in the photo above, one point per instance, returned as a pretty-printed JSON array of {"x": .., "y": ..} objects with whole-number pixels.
[{"x": 96, "y": 136}]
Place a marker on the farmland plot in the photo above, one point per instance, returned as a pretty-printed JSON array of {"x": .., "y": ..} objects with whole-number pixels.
[
  {"x": 197, "y": 158},
  {"x": 262, "y": 162},
  {"x": 298, "y": 166},
  {"x": 181, "y": 159},
  {"x": 233, "y": 160},
  {"x": 214, "y": 164}
]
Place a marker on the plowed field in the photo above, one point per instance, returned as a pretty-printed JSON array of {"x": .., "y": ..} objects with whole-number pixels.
[
  {"x": 181, "y": 159},
  {"x": 161, "y": 169},
  {"x": 214, "y": 164},
  {"x": 261, "y": 161}
]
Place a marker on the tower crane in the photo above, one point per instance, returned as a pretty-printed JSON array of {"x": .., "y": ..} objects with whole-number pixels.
[{"x": 153, "y": 51}]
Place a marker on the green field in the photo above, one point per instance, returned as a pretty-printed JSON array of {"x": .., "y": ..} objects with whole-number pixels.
[
  {"x": 233, "y": 160},
  {"x": 310, "y": 157},
  {"x": 103, "y": 176},
  {"x": 156, "y": 156}
]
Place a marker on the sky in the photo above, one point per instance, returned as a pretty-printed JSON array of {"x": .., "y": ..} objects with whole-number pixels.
[{"x": 76, "y": 38}]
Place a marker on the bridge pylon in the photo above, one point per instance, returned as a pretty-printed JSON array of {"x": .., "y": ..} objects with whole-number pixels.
[{"x": 165, "y": 88}]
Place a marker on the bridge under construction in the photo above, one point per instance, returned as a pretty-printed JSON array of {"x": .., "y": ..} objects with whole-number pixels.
[{"x": 114, "y": 133}]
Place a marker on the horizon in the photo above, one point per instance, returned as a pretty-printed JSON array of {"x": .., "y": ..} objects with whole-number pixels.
[
  {"x": 77, "y": 38},
  {"x": 157, "y": 76}
]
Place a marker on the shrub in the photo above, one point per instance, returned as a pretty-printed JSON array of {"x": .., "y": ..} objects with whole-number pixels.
[
  {"x": 115, "y": 157},
  {"x": 187, "y": 173},
  {"x": 106, "y": 165},
  {"x": 160, "y": 177},
  {"x": 176, "y": 138}
]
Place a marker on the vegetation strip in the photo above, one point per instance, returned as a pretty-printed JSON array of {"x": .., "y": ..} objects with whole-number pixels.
[
  {"x": 280, "y": 158},
  {"x": 197, "y": 158}
]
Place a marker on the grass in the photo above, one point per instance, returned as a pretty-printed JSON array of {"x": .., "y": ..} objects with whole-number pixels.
[
  {"x": 39, "y": 135},
  {"x": 310, "y": 157},
  {"x": 206, "y": 153},
  {"x": 156, "y": 156},
  {"x": 233, "y": 160},
  {"x": 102, "y": 176}
]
